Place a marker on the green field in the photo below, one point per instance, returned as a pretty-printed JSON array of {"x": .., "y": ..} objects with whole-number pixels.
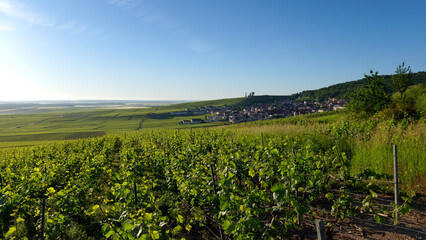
[
  {"x": 35, "y": 126},
  {"x": 67, "y": 124}
]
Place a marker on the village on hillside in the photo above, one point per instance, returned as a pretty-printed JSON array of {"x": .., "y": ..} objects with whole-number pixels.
[{"x": 259, "y": 111}]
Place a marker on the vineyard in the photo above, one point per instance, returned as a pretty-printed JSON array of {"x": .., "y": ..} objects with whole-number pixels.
[{"x": 182, "y": 184}]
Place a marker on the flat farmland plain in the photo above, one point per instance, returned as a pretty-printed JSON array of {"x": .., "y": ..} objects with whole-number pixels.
[{"x": 69, "y": 124}]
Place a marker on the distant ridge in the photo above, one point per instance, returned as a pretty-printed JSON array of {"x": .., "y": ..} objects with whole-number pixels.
[{"x": 342, "y": 90}]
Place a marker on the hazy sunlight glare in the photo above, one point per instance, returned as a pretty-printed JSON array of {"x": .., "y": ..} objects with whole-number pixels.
[{"x": 13, "y": 88}]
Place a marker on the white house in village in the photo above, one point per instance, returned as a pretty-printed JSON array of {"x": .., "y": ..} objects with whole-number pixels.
[{"x": 338, "y": 107}]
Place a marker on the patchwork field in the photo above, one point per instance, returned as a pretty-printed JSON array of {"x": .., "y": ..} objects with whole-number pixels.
[{"x": 68, "y": 124}]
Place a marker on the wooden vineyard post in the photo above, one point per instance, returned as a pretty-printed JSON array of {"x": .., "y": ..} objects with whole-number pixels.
[
  {"x": 43, "y": 208},
  {"x": 395, "y": 178},
  {"x": 261, "y": 134},
  {"x": 1, "y": 182},
  {"x": 320, "y": 229}
]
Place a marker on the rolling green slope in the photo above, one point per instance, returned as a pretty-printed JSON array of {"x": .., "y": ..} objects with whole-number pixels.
[
  {"x": 233, "y": 102},
  {"x": 219, "y": 102}
]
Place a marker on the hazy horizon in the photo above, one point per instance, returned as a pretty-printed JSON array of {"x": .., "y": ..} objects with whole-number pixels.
[{"x": 94, "y": 100}]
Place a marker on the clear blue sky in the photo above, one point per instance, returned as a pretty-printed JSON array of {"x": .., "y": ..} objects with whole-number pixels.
[{"x": 193, "y": 50}]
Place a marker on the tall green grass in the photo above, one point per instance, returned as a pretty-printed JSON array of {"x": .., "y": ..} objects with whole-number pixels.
[{"x": 376, "y": 153}]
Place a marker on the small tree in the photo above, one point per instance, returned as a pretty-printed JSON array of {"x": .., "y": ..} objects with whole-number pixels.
[
  {"x": 401, "y": 79},
  {"x": 370, "y": 98}
]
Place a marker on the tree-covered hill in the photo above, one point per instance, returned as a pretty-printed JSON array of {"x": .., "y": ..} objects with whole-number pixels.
[{"x": 342, "y": 90}]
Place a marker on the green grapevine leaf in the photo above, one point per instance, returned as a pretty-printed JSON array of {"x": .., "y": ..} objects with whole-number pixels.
[
  {"x": 155, "y": 235},
  {"x": 180, "y": 219},
  {"x": 177, "y": 230},
  {"x": 128, "y": 226},
  {"x": 278, "y": 187},
  {"x": 109, "y": 234},
  {"x": 10, "y": 232},
  {"x": 228, "y": 226}
]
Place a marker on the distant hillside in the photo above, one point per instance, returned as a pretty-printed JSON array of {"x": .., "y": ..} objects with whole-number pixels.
[
  {"x": 219, "y": 102},
  {"x": 342, "y": 90},
  {"x": 234, "y": 102}
]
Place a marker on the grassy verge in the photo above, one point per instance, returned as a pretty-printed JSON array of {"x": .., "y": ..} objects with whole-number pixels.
[{"x": 375, "y": 153}]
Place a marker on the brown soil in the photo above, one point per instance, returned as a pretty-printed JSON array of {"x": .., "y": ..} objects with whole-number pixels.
[{"x": 410, "y": 226}]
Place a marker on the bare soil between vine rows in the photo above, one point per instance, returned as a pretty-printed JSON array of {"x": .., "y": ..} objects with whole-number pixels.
[{"x": 410, "y": 226}]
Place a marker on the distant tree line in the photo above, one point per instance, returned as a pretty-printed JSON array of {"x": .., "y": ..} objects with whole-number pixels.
[{"x": 343, "y": 90}]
